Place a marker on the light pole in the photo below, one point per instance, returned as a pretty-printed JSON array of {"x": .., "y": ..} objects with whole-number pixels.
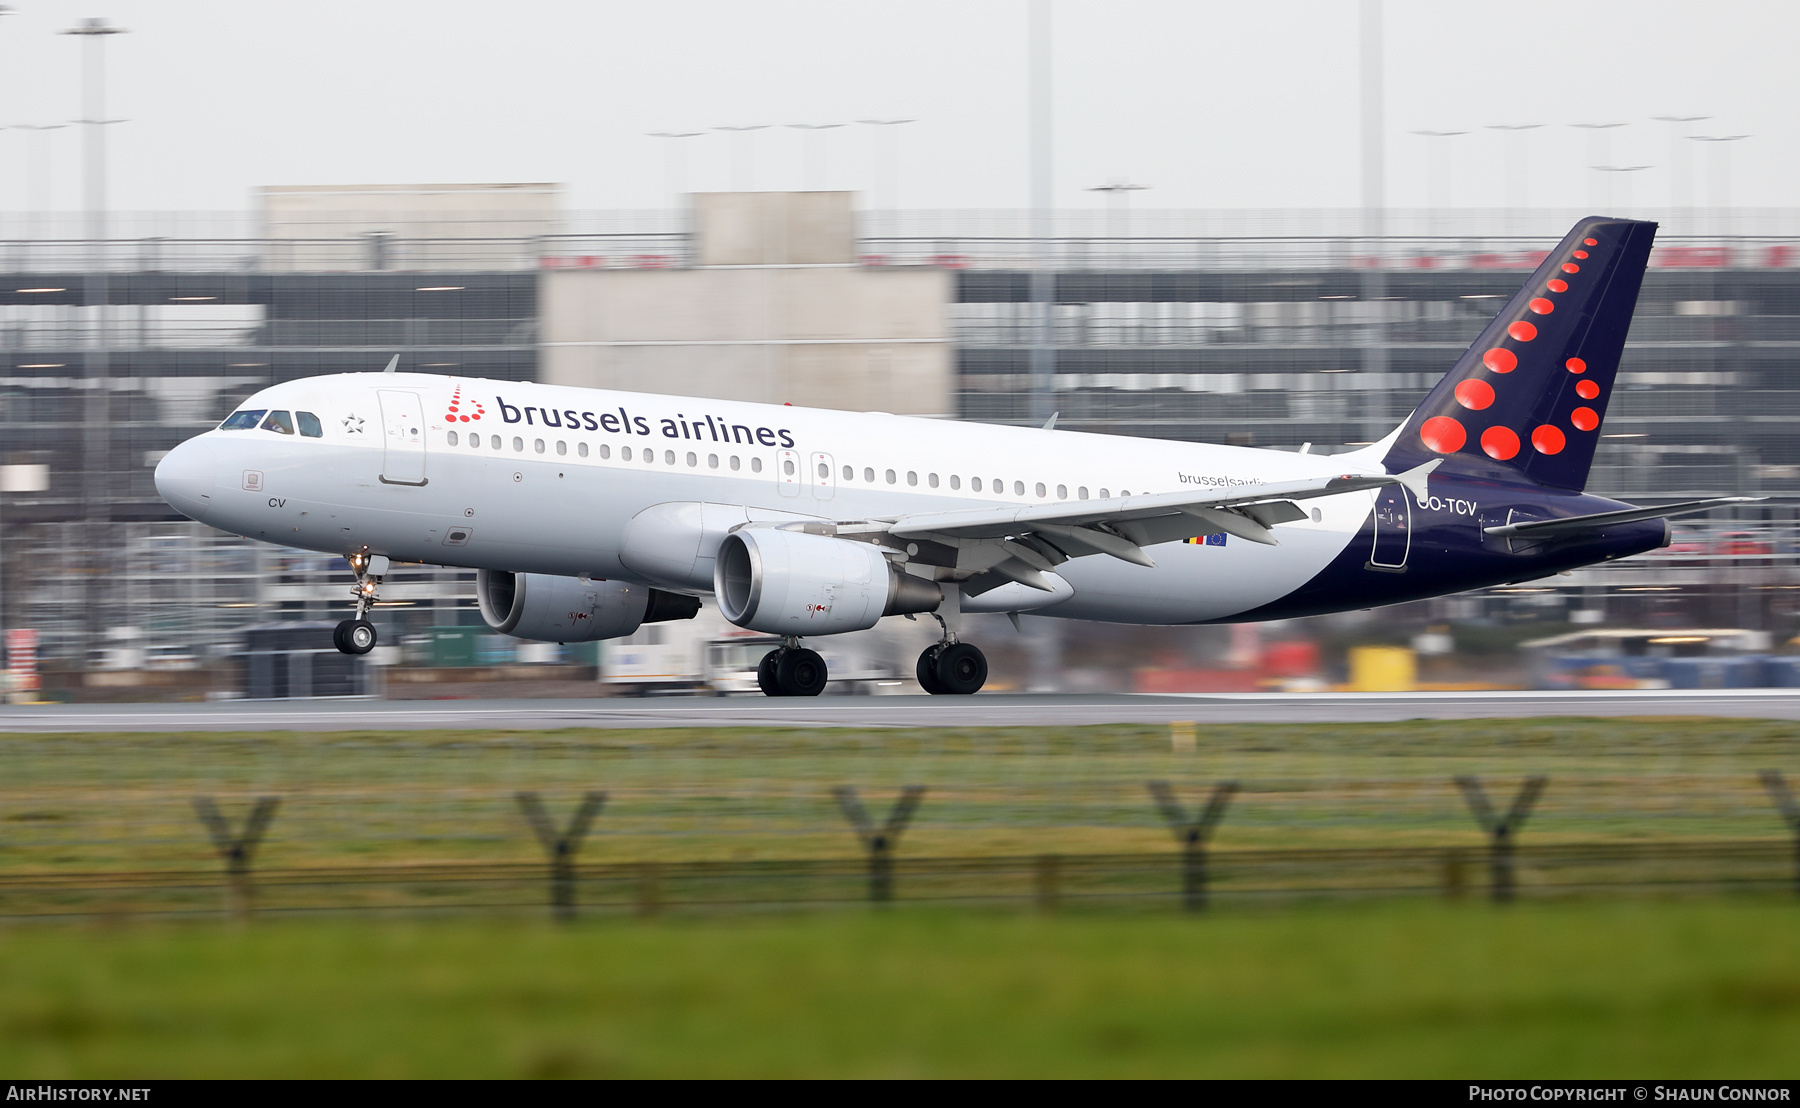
[
  {"x": 1721, "y": 176},
  {"x": 97, "y": 438},
  {"x": 1438, "y": 175},
  {"x": 816, "y": 154},
  {"x": 743, "y": 155},
  {"x": 1118, "y": 212},
  {"x": 675, "y": 163},
  {"x": 37, "y": 188},
  {"x": 1681, "y": 183},
  {"x": 1040, "y": 133},
  {"x": 1517, "y": 174},
  {"x": 1599, "y": 154},
  {"x": 887, "y": 163},
  {"x": 1624, "y": 206}
]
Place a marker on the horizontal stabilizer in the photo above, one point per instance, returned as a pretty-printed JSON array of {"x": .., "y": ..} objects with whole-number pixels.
[{"x": 1601, "y": 519}]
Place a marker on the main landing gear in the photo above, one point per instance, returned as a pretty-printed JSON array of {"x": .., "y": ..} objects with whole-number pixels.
[
  {"x": 357, "y": 636},
  {"x": 791, "y": 670},
  {"x": 952, "y": 668}
]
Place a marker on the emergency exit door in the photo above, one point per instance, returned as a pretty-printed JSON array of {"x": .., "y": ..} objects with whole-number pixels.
[{"x": 1393, "y": 528}]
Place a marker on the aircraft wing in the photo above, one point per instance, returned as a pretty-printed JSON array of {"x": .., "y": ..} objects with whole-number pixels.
[{"x": 1022, "y": 543}]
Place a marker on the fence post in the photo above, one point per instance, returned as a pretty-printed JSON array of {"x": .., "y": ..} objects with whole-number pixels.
[
  {"x": 879, "y": 842},
  {"x": 1502, "y": 830},
  {"x": 561, "y": 848},
  {"x": 1790, "y": 812},
  {"x": 1193, "y": 836},
  {"x": 236, "y": 850}
]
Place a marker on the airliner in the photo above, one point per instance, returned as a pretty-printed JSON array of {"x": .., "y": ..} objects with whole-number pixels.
[{"x": 588, "y": 512}]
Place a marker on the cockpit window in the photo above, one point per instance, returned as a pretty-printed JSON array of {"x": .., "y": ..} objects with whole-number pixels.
[
  {"x": 244, "y": 420},
  {"x": 309, "y": 425},
  {"x": 280, "y": 422}
]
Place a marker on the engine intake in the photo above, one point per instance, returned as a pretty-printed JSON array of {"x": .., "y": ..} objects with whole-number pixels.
[
  {"x": 548, "y": 608},
  {"x": 791, "y": 583}
]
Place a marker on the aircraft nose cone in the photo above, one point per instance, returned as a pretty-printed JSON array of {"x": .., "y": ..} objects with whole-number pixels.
[{"x": 186, "y": 478}]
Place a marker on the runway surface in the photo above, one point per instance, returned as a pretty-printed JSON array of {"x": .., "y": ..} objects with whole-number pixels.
[{"x": 994, "y": 710}]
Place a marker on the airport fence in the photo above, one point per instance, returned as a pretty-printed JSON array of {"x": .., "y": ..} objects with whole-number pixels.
[{"x": 1192, "y": 875}]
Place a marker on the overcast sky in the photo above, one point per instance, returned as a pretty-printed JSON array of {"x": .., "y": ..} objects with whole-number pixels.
[{"x": 1212, "y": 105}]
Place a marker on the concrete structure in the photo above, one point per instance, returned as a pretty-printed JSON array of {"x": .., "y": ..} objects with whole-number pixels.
[
  {"x": 330, "y": 228},
  {"x": 775, "y": 309}
]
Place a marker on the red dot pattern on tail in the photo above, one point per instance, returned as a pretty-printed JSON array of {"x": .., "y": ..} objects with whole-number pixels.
[
  {"x": 1500, "y": 443},
  {"x": 1446, "y": 435},
  {"x": 1443, "y": 435}
]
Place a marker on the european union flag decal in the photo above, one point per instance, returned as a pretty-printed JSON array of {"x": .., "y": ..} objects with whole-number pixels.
[{"x": 1207, "y": 540}]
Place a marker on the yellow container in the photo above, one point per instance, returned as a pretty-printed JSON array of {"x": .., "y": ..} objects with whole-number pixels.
[{"x": 1383, "y": 669}]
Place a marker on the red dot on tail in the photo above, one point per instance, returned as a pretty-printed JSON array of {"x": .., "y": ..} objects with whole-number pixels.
[
  {"x": 1584, "y": 419},
  {"x": 1475, "y": 395},
  {"x": 1587, "y": 390},
  {"x": 1581, "y": 254},
  {"x": 1522, "y": 331},
  {"x": 1542, "y": 306},
  {"x": 1443, "y": 434},
  {"x": 1500, "y": 443},
  {"x": 1547, "y": 440},
  {"x": 1500, "y": 360},
  {"x": 1557, "y": 284},
  {"x": 1576, "y": 365},
  {"x": 1570, "y": 267},
  {"x": 1590, "y": 242}
]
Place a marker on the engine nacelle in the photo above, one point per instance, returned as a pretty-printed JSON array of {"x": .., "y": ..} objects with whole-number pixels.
[
  {"x": 548, "y": 608},
  {"x": 792, "y": 583}
]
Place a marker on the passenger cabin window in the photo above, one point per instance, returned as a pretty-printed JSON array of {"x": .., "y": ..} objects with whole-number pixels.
[
  {"x": 451, "y": 438},
  {"x": 955, "y": 481},
  {"x": 310, "y": 426},
  {"x": 931, "y": 479},
  {"x": 244, "y": 420},
  {"x": 975, "y": 483},
  {"x": 280, "y": 422}
]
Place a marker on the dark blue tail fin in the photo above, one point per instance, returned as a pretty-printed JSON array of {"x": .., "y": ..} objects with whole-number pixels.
[{"x": 1527, "y": 400}]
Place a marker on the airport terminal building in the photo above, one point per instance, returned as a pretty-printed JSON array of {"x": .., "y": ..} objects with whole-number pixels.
[{"x": 1263, "y": 329}]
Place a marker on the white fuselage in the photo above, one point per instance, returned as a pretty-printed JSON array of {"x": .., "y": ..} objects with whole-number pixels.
[{"x": 545, "y": 479}]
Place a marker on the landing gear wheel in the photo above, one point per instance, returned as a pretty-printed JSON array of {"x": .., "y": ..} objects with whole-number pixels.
[
  {"x": 800, "y": 672},
  {"x": 765, "y": 673},
  {"x": 961, "y": 669},
  {"x": 927, "y": 670},
  {"x": 354, "y": 636}
]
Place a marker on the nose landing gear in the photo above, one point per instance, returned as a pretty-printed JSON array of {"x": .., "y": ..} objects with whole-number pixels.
[
  {"x": 357, "y": 636},
  {"x": 791, "y": 670},
  {"x": 952, "y": 668}
]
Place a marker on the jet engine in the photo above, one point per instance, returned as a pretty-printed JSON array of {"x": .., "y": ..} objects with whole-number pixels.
[
  {"x": 792, "y": 583},
  {"x": 548, "y": 608}
]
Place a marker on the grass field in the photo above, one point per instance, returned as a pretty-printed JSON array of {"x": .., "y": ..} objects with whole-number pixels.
[
  {"x": 1661, "y": 989},
  {"x": 111, "y": 802}
]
